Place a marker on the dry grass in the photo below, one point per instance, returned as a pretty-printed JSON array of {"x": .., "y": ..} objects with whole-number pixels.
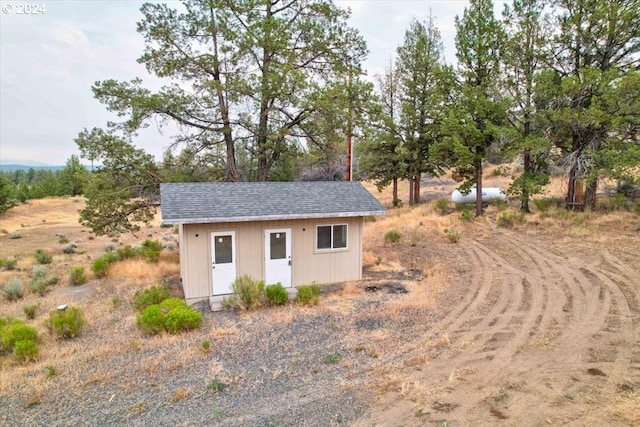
[
  {"x": 625, "y": 409},
  {"x": 180, "y": 394},
  {"x": 134, "y": 270},
  {"x": 350, "y": 289}
]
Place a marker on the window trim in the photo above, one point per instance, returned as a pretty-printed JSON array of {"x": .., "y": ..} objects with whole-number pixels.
[{"x": 332, "y": 249}]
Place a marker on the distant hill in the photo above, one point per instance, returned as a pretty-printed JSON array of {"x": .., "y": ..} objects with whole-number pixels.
[{"x": 15, "y": 167}]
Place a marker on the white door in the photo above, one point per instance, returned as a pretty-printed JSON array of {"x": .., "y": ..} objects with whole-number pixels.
[
  {"x": 223, "y": 256},
  {"x": 277, "y": 263}
]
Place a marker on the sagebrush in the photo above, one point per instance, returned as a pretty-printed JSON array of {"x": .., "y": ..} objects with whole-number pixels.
[
  {"x": 77, "y": 276},
  {"x": 247, "y": 293},
  {"x": 12, "y": 289},
  {"x": 66, "y": 323},
  {"x": 309, "y": 294}
]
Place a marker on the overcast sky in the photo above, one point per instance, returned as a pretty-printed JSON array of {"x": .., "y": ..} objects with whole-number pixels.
[{"x": 49, "y": 60}]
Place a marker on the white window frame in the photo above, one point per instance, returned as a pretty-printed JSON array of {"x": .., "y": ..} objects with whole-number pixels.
[{"x": 332, "y": 249}]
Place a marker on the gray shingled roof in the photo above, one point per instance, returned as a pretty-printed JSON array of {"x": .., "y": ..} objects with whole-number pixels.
[{"x": 207, "y": 202}]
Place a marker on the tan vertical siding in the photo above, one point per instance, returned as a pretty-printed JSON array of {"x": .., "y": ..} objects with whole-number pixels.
[{"x": 307, "y": 263}]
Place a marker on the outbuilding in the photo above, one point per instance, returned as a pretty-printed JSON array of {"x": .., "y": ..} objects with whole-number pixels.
[{"x": 291, "y": 233}]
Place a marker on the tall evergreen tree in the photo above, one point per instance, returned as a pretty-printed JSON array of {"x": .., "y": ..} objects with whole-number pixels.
[
  {"x": 423, "y": 91},
  {"x": 478, "y": 113},
  {"x": 595, "y": 62},
  {"x": 73, "y": 177},
  {"x": 381, "y": 153},
  {"x": 522, "y": 57}
]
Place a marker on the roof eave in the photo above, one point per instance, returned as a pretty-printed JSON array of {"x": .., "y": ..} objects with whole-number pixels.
[{"x": 212, "y": 220}]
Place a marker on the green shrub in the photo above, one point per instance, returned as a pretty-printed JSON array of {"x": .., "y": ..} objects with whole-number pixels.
[
  {"x": 205, "y": 344},
  {"x": 171, "y": 315},
  {"x": 246, "y": 293},
  {"x": 15, "y": 331},
  {"x": 62, "y": 239},
  {"x": 171, "y": 304},
  {"x": 277, "y": 294},
  {"x": 66, "y": 323},
  {"x": 25, "y": 350},
  {"x": 51, "y": 371},
  {"x": 100, "y": 266},
  {"x": 42, "y": 257},
  {"x": 152, "y": 249},
  {"x": 332, "y": 358},
  {"x": 150, "y": 296},
  {"x": 466, "y": 215},
  {"x": 443, "y": 206},
  {"x": 501, "y": 204},
  {"x": 309, "y": 294},
  {"x": 217, "y": 386},
  {"x": 392, "y": 236},
  {"x": 15, "y": 235},
  {"x": 30, "y": 311},
  {"x": 508, "y": 219},
  {"x": 77, "y": 276},
  {"x": 38, "y": 285},
  {"x": 182, "y": 319},
  {"x": 115, "y": 302},
  {"x": 452, "y": 234},
  {"x": 38, "y": 271},
  {"x": 151, "y": 320},
  {"x": 12, "y": 289},
  {"x": 149, "y": 250},
  {"x": 127, "y": 252},
  {"x": 543, "y": 205},
  {"x": 8, "y": 263},
  {"x": 20, "y": 338},
  {"x": 465, "y": 206}
]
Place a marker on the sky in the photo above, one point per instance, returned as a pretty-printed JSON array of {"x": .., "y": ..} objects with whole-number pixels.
[{"x": 50, "y": 59}]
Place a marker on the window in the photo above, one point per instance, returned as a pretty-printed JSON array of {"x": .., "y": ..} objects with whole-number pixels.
[
  {"x": 278, "y": 245},
  {"x": 331, "y": 237}
]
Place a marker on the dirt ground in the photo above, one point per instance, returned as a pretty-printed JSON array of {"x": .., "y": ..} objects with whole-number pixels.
[{"x": 532, "y": 324}]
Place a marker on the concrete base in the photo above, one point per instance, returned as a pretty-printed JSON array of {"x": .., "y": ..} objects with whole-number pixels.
[{"x": 216, "y": 301}]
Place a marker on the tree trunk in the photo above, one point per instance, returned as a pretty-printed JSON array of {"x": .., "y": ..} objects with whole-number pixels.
[
  {"x": 411, "y": 188},
  {"x": 262, "y": 136},
  {"x": 590, "y": 194},
  {"x": 479, "y": 209},
  {"x": 416, "y": 191},
  {"x": 571, "y": 189},
  {"x": 395, "y": 201},
  {"x": 524, "y": 201},
  {"x": 233, "y": 173}
]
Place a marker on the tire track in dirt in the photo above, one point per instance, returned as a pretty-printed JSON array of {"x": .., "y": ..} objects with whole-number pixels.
[
  {"x": 484, "y": 329},
  {"x": 621, "y": 332},
  {"x": 589, "y": 318},
  {"x": 530, "y": 316}
]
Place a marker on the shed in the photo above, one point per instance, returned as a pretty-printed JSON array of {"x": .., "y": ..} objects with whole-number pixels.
[{"x": 291, "y": 233}]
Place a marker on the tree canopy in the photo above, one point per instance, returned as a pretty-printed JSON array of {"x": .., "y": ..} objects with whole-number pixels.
[{"x": 245, "y": 75}]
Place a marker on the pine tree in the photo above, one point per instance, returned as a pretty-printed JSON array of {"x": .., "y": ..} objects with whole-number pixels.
[
  {"x": 522, "y": 57},
  {"x": 475, "y": 118}
]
